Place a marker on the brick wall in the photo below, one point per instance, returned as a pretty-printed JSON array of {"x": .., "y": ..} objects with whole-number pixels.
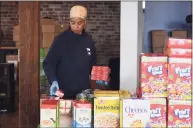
[{"x": 103, "y": 23}]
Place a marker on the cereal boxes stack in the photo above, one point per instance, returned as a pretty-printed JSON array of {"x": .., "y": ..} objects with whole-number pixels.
[
  {"x": 106, "y": 109},
  {"x": 179, "y": 68},
  {"x": 179, "y": 114},
  {"x": 134, "y": 113},
  {"x": 179, "y": 87},
  {"x": 100, "y": 73},
  {"x": 178, "y": 48},
  {"x": 153, "y": 79}
]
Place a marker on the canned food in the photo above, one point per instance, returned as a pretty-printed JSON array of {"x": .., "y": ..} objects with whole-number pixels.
[{"x": 81, "y": 96}]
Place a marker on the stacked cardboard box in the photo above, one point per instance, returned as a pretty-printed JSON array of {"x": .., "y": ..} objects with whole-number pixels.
[
  {"x": 183, "y": 34},
  {"x": 158, "y": 40},
  {"x": 48, "y": 30}
]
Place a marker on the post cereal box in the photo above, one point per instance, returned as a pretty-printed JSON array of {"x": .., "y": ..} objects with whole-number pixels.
[
  {"x": 179, "y": 78},
  {"x": 179, "y": 114},
  {"x": 153, "y": 77},
  {"x": 135, "y": 113},
  {"x": 179, "y": 43},
  {"x": 106, "y": 112},
  {"x": 158, "y": 113}
]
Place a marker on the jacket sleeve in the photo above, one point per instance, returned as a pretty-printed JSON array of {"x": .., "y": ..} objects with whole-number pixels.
[
  {"x": 51, "y": 60},
  {"x": 93, "y": 57}
]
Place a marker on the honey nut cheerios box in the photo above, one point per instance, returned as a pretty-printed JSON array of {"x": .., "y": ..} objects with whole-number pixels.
[
  {"x": 179, "y": 79},
  {"x": 106, "y": 110},
  {"x": 158, "y": 112},
  {"x": 153, "y": 75},
  {"x": 179, "y": 114},
  {"x": 134, "y": 113}
]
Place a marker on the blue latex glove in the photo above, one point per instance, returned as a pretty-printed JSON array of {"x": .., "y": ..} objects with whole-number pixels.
[{"x": 54, "y": 87}]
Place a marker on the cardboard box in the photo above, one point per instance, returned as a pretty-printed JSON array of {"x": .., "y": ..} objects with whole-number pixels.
[
  {"x": 158, "y": 40},
  {"x": 48, "y": 38},
  {"x": 178, "y": 52},
  {"x": 179, "y": 34},
  {"x": 47, "y": 21},
  {"x": 51, "y": 28}
]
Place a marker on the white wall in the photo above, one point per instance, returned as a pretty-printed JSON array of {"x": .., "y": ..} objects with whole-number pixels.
[{"x": 131, "y": 45}]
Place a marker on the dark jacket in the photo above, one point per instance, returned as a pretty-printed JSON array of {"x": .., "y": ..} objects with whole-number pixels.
[{"x": 69, "y": 61}]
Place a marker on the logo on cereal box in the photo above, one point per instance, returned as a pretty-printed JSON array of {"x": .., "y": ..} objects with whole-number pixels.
[
  {"x": 182, "y": 113},
  {"x": 158, "y": 70},
  {"x": 155, "y": 113},
  {"x": 135, "y": 110},
  {"x": 183, "y": 72}
]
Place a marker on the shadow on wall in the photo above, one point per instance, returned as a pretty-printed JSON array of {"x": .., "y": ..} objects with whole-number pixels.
[{"x": 174, "y": 25}]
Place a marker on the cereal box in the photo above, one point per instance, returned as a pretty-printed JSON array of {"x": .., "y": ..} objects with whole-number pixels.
[
  {"x": 179, "y": 43},
  {"x": 153, "y": 79},
  {"x": 83, "y": 114},
  {"x": 179, "y": 52},
  {"x": 65, "y": 113},
  {"x": 179, "y": 78},
  {"x": 106, "y": 111},
  {"x": 158, "y": 113},
  {"x": 179, "y": 114},
  {"x": 49, "y": 113},
  {"x": 135, "y": 113}
]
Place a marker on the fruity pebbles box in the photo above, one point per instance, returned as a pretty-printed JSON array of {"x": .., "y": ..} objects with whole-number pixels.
[
  {"x": 158, "y": 112},
  {"x": 179, "y": 114},
  {"x": 179, "y": 79},
  {"x": 153, "y": 79}
]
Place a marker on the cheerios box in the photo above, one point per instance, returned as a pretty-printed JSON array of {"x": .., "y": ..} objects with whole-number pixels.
[
  {"x": 158, "y": 112},
  {"x": 179, "y": 114},
  {"x": 179, "y": 79},
  {"x": 153, "y": 75},
  {"x": 106, "y": 110},
  {"x": 49, "y": 113},
  {"x": 134, "y": 113}
]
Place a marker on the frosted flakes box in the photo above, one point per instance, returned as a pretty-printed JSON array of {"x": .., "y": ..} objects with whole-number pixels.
[
  {"x": 179, "y": 114},
  {"x": 106, "y": 111},
  {"x": 158, "y": 113},
  {"x": 179, "y": 79},
  {"x": 179, "y": 43},
  {"x": 135, "y": 113},
  {"x": 153, "y": 79}
]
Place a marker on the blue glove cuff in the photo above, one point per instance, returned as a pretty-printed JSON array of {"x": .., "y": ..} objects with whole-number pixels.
[{"x": 55, "y": 82}]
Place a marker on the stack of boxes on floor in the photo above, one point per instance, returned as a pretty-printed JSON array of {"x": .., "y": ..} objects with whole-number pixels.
[
  {"x": 166, "y": 81},
  {"x": 179, "y": 53},
  {"x": 49, "y": 29}
]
